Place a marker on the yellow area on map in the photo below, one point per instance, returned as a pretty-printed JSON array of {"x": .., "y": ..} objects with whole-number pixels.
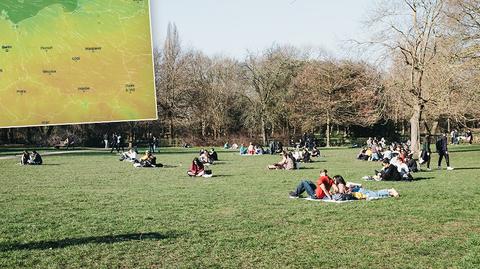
[{"x": 80, "y": 61}]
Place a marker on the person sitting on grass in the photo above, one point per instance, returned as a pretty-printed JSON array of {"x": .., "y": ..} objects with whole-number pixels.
[
  {"x": 287, "y": 162},
  {"x": 148, "y": 161},
  {"x": 243, "y": 150},
  {"x": 24, "y": 158},
  {"x": 319, "y": 191},
  {"x": 213, "y": 155},
  {"x": 315, "y": 152},
  {"x": 259, "y": 150},
  {"x": 251, "y": 149},
  {"x": 197, "y": 169},
  {"x": 306, "y": 156},
  {"x": 130, "y": 155},
  {"x": 388, "y": 173},
  {"x": 205, "y": 157},
  {"x": 363, "y": 155},
  {"x": 35, "y": 159}
]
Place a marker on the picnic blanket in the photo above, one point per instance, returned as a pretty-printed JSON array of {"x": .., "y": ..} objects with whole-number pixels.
[{"x": 341, "y": 202}]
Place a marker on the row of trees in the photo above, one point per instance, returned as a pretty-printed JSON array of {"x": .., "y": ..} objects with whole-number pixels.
[
  {"x": 278, "y": 92},
  {"x": 428, "y": 79}
]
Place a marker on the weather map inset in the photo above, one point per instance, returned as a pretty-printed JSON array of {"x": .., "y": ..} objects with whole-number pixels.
[{"x": 75, "y": 61}]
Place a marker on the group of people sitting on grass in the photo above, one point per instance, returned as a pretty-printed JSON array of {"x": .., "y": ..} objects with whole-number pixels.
[
  {"x": 252, "y": 150},
  {"x": 291, "y": 160},
  {"x": 33, "y": 158},
  {"x": 148, "y": 160},
  {"x": 208, "y": 157},
  {"x": 337, "y": 189}
]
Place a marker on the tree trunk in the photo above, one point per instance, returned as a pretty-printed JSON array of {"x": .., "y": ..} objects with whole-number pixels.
[
  {"x": 170, "y": 130},
  {"x": 264, "y": 133},
  {"x": 327, "y": 132},
  {"x": 434, "y": 127},
  {"x": 415, "y": 130},
  {"x": 203, "y": 128}
]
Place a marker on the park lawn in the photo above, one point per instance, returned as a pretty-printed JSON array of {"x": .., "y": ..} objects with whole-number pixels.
[{"x": 90, "y": 210}]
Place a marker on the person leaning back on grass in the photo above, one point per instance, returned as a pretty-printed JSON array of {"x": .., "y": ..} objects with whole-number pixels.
[{"x": 319, "y": 191}]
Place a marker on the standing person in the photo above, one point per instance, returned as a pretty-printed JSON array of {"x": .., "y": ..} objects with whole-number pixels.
[
  {"x": 469, "y": 136},
  {"x": 119, "y": 143},
  {"x": 442, "y": 149},
  {"x": 155, "y": 143},
  {"x": 150, "y": 143},
  {"x": 105, "y": 140},
  {"x": 113, "y": 142},
  {"x": 426, "y": 152}
]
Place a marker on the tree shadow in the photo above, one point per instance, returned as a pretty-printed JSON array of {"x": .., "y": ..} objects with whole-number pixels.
[{"x": 67, "y": 242}]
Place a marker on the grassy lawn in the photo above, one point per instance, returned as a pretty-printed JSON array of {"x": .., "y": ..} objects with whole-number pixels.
[{"x": 90, "y": 210}]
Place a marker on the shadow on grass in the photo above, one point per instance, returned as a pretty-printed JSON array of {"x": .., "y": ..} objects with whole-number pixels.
[
  {"x": 222, "y": 176},
  {"x": 474, "y": 149},
  {"x": 467, "y": 168},
  {"x": 67, "y": 242},
  {"x": 421, "y": 178},
  {"x": 169, "y": 166}
]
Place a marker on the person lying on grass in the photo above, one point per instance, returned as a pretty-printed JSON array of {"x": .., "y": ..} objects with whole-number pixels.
[
  {"x": 148, "y": 161},
  {"x": 351, "y": 191},
  {"x": 287, "y": 162},
  {"x": 319, "y": 191}
]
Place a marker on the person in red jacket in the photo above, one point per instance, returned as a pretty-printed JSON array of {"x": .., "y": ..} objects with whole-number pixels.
[
  {"x": 197, "y": 168},
  {"x": 319, "y": 191}
]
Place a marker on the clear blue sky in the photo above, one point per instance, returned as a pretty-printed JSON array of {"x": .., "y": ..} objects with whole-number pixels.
[{"x": 230, "y": 27}]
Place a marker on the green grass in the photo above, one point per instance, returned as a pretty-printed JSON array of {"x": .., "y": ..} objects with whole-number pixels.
[{"x": 88, "y": 210}]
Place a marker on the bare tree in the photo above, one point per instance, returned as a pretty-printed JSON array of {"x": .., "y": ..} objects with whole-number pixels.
[
  {"x": 269, "y": 76},
  {"x": 410, "y": 29},
  {"x": 332, "y": 92},
  {"x": 170, "y": 71}
]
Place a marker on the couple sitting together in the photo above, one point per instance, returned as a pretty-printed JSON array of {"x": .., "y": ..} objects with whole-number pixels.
[
  {"x": 337, "y": 189},
  {"x": 31, "y": 159},
  {"x": 147, "y": 161}
]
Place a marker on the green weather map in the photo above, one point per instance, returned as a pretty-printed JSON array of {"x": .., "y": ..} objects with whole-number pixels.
[{"x": 75, "y": 61}]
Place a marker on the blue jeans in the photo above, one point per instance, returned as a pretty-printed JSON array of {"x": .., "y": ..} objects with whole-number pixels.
[
  {"x": 374, "y": 194},
  {"x": 306, "y": 186}
]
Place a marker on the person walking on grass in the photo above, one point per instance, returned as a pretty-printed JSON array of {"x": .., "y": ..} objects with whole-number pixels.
[
  {"x": 442, "y": 149},
  {"x": 426, "y": 152}
]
